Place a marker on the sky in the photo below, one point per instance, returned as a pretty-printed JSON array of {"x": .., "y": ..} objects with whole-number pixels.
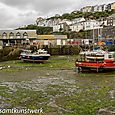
[{"x": 17, "y": 13}]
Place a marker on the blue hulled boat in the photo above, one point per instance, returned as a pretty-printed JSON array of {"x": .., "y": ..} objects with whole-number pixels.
[{"x": 38, "y": 56}]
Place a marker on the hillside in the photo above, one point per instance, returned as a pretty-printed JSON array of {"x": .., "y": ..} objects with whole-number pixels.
[
  {"x": 69, "y": 16},
  {"x": 87, "y": 15}
]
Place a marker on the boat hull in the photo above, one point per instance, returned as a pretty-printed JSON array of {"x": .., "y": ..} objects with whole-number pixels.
[
  {"x": 98, "y": 66},
  {"x": 35, "y": 58}
]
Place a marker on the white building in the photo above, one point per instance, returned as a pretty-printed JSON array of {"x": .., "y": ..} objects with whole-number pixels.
[
  {"x": 95, "y": 8},
  {"x": 40, "y": 21},
  {"x": 61, "y": 27},
  {"x": 86, "y": 9},
  {"x": 104, "y": 7},
  {"x": 92, "y": 24},
  {"x": 56, "y": 28},
  {"x": 111, "y": 20},
  {"x": 100, "y": 8},
  {"x": 68, "y": 22},
  {"x": 48, "y": 22},
  {"x": 78, "y": 20},
  {"x": 76, "y": 27}
]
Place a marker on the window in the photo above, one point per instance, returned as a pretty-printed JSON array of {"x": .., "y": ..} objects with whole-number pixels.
[
  {"x": 18, "y": 35},
  {"x": 4, "y": 35},
  {"x": 110, "y": 56},
  {"x": 25, "y": 35},
  {"x": 11, "y": 35}
]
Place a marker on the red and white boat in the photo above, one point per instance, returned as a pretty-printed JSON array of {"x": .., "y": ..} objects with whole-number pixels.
[{"x": 96, "y": 60}]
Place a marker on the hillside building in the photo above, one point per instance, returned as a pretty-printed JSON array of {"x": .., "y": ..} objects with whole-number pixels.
[{"x": 17, "y": 37}]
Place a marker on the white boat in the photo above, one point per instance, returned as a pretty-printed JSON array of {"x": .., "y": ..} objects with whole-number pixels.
[{"x": 38, "y": 56}]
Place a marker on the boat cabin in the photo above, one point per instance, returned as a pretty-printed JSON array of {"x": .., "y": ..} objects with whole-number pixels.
[{"x": 96, "y": 56}]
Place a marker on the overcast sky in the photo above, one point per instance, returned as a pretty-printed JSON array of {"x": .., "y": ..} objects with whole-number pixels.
[{"x": 16, "y": 13}]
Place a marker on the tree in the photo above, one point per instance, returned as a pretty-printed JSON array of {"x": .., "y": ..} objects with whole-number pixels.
[{"x": 39, "y": 30}]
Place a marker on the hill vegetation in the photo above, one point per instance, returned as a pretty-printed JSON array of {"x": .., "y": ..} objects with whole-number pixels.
[
  {"x": 39, "y": 30},
  {"x": 75, "y": 14},
  {"x": 86, "y": 15}
]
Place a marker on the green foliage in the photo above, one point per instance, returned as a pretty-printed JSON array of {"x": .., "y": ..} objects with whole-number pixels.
[
  {"x": 67, "y": 16},
  {"x": 64, "y": 50},
  {"x": 28, "y": 27},
  {"x": 87, "y": 15},
  {"x": 39, "y": 30},
  {"x": 79, "y": 35},
  {"x": 59, "y": 33},
  {"x": 9, "y": 53},
  {"x": 44, "y": 30},
  {"x": 111, "y": 47}
]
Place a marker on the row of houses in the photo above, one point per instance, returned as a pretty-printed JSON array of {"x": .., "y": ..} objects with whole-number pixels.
[
  {"x": 22, "y": 38},
  {"x": 82, "y": 24},
  {"x": 66, "y": 25},
  {"x": 99, "y": 8},
  {"x": 77, "y": 24},
  {"x": 55, "y": 21}
]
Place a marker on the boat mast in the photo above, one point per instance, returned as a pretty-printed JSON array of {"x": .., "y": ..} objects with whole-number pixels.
[{"x": 93, "y": 35}]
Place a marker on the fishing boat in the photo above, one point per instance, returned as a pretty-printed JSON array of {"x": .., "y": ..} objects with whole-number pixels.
[
  {"x": 98, "y": 60},
  {"x": 37, "y": 56}
]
